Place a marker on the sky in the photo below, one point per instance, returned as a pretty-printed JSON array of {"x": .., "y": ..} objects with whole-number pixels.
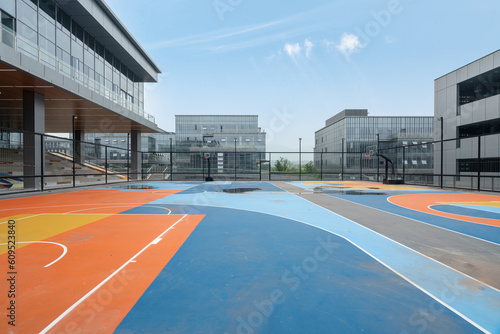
[{"x": 297, "y": 63}]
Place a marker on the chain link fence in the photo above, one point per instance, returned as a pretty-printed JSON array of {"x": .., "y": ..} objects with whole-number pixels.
[{"x": 56, "y": 162}]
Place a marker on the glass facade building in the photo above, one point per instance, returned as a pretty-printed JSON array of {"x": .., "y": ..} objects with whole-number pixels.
[
  {"x": 119, "y": 143},
  {"x": 70, "y": 67},
  {"x": 355, "y": 133},
  {"x": 221, "y": 136},
  {"x": 44, "y": 31}
]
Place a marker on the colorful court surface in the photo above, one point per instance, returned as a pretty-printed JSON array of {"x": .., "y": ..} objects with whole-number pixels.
[{"x": 251, "y": 257}]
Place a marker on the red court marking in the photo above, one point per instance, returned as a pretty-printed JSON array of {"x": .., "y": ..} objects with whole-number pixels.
[
  {"x": 107, "y": 201},
  {"x": 95, "y": 251},
  {"x": 421, "y": 202}
]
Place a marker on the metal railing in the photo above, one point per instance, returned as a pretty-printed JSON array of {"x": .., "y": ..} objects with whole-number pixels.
[{"x": 30, "y": 49}]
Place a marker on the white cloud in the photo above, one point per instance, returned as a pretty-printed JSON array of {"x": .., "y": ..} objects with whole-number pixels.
[
  {"x": 292, "y": 50},
  {"x": 308, "y": 45},
  {"x": 349, "y": 43}
]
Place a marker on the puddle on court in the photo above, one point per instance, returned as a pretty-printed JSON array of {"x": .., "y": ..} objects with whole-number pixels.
[
  {"x": 346, "y": 192},
  {"x": 136, "y": 186},
  {"x": 239, "y": 190}
]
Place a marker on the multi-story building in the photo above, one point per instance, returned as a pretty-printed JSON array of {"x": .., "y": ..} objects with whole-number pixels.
[
  {"x": 150, "y": 143},
  {"x": 219, "y": 136},
  {"x": 352, "y": 133},
  {"x": 467, "y": 106},
  {"x": 70, "y": 67}
]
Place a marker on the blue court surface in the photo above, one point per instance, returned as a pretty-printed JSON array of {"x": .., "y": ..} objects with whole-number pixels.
[{"x": 265, "y": 260}]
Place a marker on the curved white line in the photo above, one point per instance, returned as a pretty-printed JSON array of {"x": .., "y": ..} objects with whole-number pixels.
[
  {"x": 117, "y": 206},
  {"x": 65, "y": 249},
  {"x": 422, "y": 222},
  {"x": 371, "y": 255},
  {"x": 437, "y": 215}
]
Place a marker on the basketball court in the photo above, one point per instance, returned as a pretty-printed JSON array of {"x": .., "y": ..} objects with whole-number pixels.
[{"x": 251, "y": 257}]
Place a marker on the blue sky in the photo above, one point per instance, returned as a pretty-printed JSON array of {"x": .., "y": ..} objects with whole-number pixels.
[{"x": 297, "y": 63}]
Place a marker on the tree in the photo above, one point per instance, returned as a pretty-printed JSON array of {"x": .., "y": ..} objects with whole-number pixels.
[
  {"x": 283, "y": 165},
  {"x": 309, "y": 167}
]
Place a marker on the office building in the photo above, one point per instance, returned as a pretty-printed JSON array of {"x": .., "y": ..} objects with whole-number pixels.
[
  {"x": 355, "y": 134},
  {"x": 219, "y": 136},
  {"x": 467, "y": 105}
]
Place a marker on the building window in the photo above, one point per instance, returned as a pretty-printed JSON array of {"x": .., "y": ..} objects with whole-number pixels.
[
  {"x": 8, "y": 28},
  {"x": 479, "y": 87},
  {"x": 486, "y": 165},
  {"x": 479, "y": 129}
]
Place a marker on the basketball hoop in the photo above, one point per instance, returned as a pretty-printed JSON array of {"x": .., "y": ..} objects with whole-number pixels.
[{"x": 368, "y": 156}]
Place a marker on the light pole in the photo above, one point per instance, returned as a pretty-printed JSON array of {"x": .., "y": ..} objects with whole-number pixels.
[
  {"x": 235, "y": 140},
  {"x": 300, "y": 159},
  {"x": 74, "y": 118}
]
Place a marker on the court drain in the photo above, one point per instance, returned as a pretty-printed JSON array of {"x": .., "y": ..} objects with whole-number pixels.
[{"x": 136, "y": 186}]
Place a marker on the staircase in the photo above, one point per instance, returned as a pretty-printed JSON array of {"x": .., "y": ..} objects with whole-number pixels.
[{"x": 58, "y": 171}]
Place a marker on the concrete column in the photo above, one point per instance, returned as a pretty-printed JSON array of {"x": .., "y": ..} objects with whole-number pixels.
[
  {"x": 136, "y": 158},
  {"x": 33, "y": 153},
  {"x": 79, "y": 147}
]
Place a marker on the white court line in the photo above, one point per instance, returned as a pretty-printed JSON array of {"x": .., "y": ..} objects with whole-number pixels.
[
  {"x": 116, "y": 206},
  {"x": 472, "y": 322},
  {"x": 72, "y": 307},
  {"x": 426, "y": 223},
  {"x": 22, "y": 218},
  {"x": 420, "y": 221},
  {"x": 442, "y": 302},
  {"x": 65, "y": 249}
]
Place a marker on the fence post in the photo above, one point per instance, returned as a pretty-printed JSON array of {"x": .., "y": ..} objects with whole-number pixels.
[
  {"x": 361, "y": 166},
  {"x": 442, "y": 152},
  {"x": 342, "y": 160},
  {"x": 129, "y": 152},
  {"x": 171, "y": 162},
  {"x": 142, "y": 169},
  {"x": 321, "y": 166},
  {"x": 479, "y": 163},
  {"x": 74, "y": 157},
  {"x": 270, "y": 161},
  {"x": 378, "y": 157},
  {"x": 106, "y": 164},
  {"x": 404, "y": 165},
  {"x": 42, "y": 162}
]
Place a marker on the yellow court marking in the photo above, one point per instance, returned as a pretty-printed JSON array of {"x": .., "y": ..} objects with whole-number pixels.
[{"x": 43, "y": 226}]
